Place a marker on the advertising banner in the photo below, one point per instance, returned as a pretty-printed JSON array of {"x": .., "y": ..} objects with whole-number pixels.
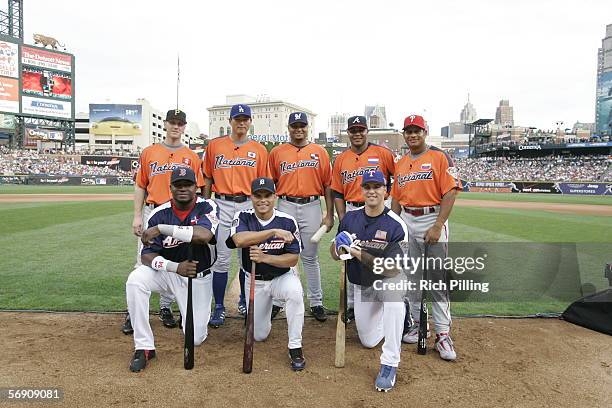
[
  {"x": 585, "y": 188},
  {"x": 9, "y": 59},
  {"x": 490, "y": 187},
  {"x": 113, "y": 162},
  {"x": 118, "y": 120},
  {"x": 9, "y": 95},
  {"x": 46, "y": 107},
  {"x": 539, "y": 187},
  {"x": 42, "y": 82},
  {"x": 44, "y": 134},
  {"x": 73, "y": 181},
  {"x": 46, "y": 59}
]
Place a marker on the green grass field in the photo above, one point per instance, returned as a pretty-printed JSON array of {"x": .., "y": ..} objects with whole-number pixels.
[
  {"x": 77, "y": 255},
  {"x": 25, "y": 189}
]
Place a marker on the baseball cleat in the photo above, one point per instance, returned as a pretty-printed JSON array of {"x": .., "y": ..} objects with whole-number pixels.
[
  {"x": 444, "y": 345},
  {"x": 412, "y": 337},
  {"x": 298, "y": 362},
  {"x": 319, "y": 313},
  {"x": 127, "y": 325},
  {"x": 139, "y": 361},
  {"x": 275, "y": 311},
  {"x": 167, "y": 318},
  {"x": 242, "y": 308},
  {"x": 218, "y": 317},
  {"x": 386, "y": 378}
]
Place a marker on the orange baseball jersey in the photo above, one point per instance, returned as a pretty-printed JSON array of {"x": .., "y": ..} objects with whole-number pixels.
[
  {"x": 300, "y": 171},
  {"x": 350, "y": 166},
  {"x": 155, "y": 166},
  {"x": 233, "y": 167},
  {"x": 422, "y": 181}
]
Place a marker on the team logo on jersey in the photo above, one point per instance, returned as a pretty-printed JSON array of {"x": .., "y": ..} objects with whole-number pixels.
[
  {"x": 235, "y": 222},
  {"x": 454, "y": 172},
  {"x": 164, "y": 168},
  {"x": 252, "y": 155},
  {"x": 187, "y": 161},
  {"x": 194, "y": 220},
  {"x": 350, "y": 176},
  {"x": 290, "y": 167},
  {"x": 373, "y": 160},
  {"x": 418, "y": 175},
  {"x": 426, "y": 166},
  {"x": 314, "y": 156},
  {"x": 273, "y": 244},
  {"x": 380, "y": 235},
  {"x": 222, "y": 163},
  {"x": 370, "y": 244},
  {"x": 170, "y": 242}
]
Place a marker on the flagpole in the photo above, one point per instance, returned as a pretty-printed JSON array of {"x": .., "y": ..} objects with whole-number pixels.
[{"x": 178, "y": 78}]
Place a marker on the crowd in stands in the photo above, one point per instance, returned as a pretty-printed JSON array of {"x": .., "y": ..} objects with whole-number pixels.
[
  {"x": 30, "y": 162},
  {"x": 572, "y": 168}
]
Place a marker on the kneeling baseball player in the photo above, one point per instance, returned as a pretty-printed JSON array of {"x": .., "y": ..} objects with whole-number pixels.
[
  {"x": 271, "y": 239},
  {"x": 365, "y": 237},
  {"x": 172, "y": 227}
]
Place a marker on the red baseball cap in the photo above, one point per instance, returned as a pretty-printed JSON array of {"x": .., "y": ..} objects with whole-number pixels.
[{"x": 415, "y": 120}]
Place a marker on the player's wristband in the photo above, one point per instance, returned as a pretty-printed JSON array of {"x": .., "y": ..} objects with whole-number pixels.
[
  {"x": 159, "y": 263},
  {"x": 183, "y": 234}
]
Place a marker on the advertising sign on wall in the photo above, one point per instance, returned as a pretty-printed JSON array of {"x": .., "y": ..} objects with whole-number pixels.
[
  {"x": 46, "y": 59},
  {"x": 118, "y": 120},
  {"x": 9, "y": 62},
  {"x": 46, "y": 107},
  {"x": 42, "y": 82},
  {"x": 9, "y": 95}
]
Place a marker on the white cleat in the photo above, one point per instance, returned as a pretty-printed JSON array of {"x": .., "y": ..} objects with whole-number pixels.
[
  {"x": 444, "y": 345},
  {"x": 412, "y": 337}
]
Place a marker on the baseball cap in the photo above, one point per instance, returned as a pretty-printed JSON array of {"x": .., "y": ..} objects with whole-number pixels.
[
  {"x": 263, "y": 183},
  {"x": 298, "y": 117},
  {"x": 373, "y": 176},
  {"x": 357, "y": 121},
  {"x": 240, "y": 110},
  {"x": 176, "y": 114},
  {"x": 182, "y": 173},
  {"x": 415, "y": 120}
]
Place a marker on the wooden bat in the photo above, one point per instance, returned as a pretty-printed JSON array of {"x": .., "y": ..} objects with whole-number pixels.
[
  {"x": 340, "y": 324},
  {"x": 319, "y": 234},
  {"x": 422, "y": 342},
  {"x": 188, "y": 349},
  {"x": 249, "y": 338}
]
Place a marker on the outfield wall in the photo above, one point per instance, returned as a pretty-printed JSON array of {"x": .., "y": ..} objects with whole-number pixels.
[
  {"x": 68, "y": 180},
  {"x": 537, "y": 187}
]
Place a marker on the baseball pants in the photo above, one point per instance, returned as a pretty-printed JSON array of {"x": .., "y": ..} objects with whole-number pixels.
[
  {"x": 288, "y": 289},
  {"x": 227, "y": 211},
  {"x": 308, "y": 217},
  {"x": 380, "y": 315},
  {"x": 165, "y": 299},
  {"x": 144, "y": 280},
  {"x": 440, "y": 305}
]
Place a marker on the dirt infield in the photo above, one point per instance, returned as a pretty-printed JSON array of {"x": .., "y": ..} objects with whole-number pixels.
[
  {"x": 502, "y": 363},
  {"x": 585, "y": 209}
]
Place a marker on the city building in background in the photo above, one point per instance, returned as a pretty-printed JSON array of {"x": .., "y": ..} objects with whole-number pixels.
[
  {"x": 376, "y": 116},
  {"x": 337, "y": 123},
  {"x": 270, "y": 117},
  {"x": 127, "y": 128},
  {"x": 467, "y": 115},
  {"x": 504, "y": 114},
  {"x": 603, "y": 101}
]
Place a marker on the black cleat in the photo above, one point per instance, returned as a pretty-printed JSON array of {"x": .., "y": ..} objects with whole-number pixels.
[
  {"x": 349, "y": 316},
  {"x": 165, "y": 315},
  {"x": 139, "y": 361},
  {"x": 298, "y": 363},
  {"x": 275, "y": 311},
  {"x": 319, "y": 313},
  {"x": 127, "y": 325}
]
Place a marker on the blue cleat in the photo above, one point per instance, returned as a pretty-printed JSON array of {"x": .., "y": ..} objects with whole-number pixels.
[
  {"x": 386, "y": 378},
  {"x": 298, "y": 362},
  {"x": 218, "y": 317}
]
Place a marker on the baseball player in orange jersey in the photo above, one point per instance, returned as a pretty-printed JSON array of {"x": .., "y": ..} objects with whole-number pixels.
[
  {"x": 426, "y": 184},
  {"x": 347, "y": 172},
  {"x": 302, "y": 173},
  {"x": 152, "y": 189},
  {"x": 230, "y": 164}
]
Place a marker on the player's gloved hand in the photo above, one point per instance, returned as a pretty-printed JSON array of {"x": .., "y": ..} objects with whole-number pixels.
[
  {"x": 284, "y": 235},
  {"x": 343, "y": 241},
  {"x": 149, "y": 235},
  {"x": 187, "y": 268},
  {"x": 257, "y": 254}
]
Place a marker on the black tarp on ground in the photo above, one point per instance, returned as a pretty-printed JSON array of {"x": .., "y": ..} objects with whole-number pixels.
[{"x": 593, "y": 312}]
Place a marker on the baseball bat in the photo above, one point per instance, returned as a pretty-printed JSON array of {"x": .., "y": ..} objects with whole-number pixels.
[
  {"x": 422, "y": 342},
  {"x": 188, "y": 349},
  {"x": 319, "y": 234},
  {"x": 249, "y": 339},
  {"x": 340, "y": 324}
]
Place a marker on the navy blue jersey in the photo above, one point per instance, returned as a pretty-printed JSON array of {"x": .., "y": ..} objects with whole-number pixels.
[
  {"x": 379, "y": 236},
  {"x": 247, "y": 221},
  {"x": 205, "y": 214}
]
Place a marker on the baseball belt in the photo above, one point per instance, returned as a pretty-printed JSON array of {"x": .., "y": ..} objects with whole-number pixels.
[
  {"x": 300, "y": 200},
  {"x": 418, "y": 211},
  {"x": 238, "y": 198},
  {"x": 356, "y": 203}
]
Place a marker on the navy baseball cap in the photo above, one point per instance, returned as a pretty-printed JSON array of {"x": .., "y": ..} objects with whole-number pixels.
[
  {"x": 176, "y": 114},
  {"x": 373, "y": 176},
  {"x": 240, "y": 110},
  {"x": 182, "y": 173},
  {"x": 357, "y": 121},
  {"x": 298, "y": 117},
  {"x": 263, "y": 183}
]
